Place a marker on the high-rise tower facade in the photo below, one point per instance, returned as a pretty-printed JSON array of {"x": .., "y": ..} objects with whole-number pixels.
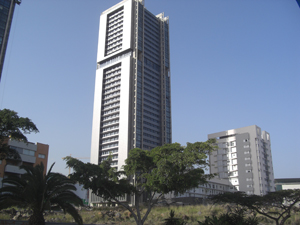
[
  {"x": 244, "y": 157},
  {"x": 132, "y": 102},
  {"x": 7, "y": 8}
]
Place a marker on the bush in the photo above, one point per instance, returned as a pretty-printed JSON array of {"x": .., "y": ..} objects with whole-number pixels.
[
  {"x": 232, "y": 218},
  {"x": 172, "y": 220}
]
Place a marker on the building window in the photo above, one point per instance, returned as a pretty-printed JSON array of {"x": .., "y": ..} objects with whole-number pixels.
[
  {"x": 42, "y": 156},
  {"x": 234, "y": 167},
  {"x": 28, "y": 152},
  {"x": 233, "y": 143},
  {"x": 114, "y": 163},
  {"x": 248, "y": 171}
]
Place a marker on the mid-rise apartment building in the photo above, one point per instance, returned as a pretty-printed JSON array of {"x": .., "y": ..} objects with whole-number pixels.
[
  {"x": 132, "y": 102},
  {"x": 31, "y": 154},
  {"x": 7, "y": 8},
  {"x": 244, "y": 158}
]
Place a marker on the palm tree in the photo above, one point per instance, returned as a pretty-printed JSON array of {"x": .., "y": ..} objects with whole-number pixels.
[{"x": 40, "y": 192}]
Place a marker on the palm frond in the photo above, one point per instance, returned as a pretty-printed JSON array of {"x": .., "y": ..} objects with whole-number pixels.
[{"x": 39, "y": 192}]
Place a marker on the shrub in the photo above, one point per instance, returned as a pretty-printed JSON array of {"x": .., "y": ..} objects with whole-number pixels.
[{"x": 173, "y": 221}]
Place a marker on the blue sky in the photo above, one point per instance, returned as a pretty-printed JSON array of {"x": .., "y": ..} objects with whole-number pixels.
[{"x": 233, "y": 64}]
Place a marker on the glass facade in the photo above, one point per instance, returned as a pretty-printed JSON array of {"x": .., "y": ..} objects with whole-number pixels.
[
  {"x": 6, "y": 14},
  {"x": 4, "y": 11},
  {"x": 153, "y": 86}
]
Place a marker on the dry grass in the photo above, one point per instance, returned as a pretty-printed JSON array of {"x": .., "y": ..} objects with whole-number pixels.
[{"x": 192, "y": 214}]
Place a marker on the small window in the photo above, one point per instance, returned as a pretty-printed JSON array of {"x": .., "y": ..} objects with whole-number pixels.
[
  {"x": 28, "y": 152},
  {"x": 42, "y": 156},
  {"x": 0, "y": 161},
  {"x": 248, "y": 171}
]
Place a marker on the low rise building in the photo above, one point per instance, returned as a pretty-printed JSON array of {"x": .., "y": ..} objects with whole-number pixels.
[
  {"x": 199, "y": 195},
  {"x": 30, "y": 153},
  {"x": 287, "y": 183}
]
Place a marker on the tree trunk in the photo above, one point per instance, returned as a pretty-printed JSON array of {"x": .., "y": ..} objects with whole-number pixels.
[
  {"x": 284, "y": 219},
  {"x": 37, "y": 218}
]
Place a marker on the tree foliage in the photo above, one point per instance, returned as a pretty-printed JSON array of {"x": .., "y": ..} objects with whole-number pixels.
[
  {"x": 14, "y": 127},
  {"x": 40, "y": 192},
  {"x": 164, "y": 169},
  {"x": 277, "y": 206}
]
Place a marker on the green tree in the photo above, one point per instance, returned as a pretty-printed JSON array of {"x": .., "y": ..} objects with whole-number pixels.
[
  {"x": 277, "y": 206},
  {"x": 40, "y": 192},
  {"x": 14, "y": 127},
  {"x": 165, "y": 169}
]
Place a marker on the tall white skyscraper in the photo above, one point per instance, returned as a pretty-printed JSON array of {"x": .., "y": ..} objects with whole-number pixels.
[
  {"x": 244, "y": 157},
  {"x": 132, "y": 102}
]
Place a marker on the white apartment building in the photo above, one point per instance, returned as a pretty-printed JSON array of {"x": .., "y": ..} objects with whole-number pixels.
[
  {"x": 244, "y": 158},
  {"x": 132, "y": 102}
]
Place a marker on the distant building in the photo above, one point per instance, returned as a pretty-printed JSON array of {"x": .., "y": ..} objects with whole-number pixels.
[
  {"x": 287, "y": 183},
  {"x": 82, "y": 193},
  {"x": 7, "y": 8},
  {"x": 244, "y": 158},
  {"x": 31, "y": 154},
  {"x": 199, "y": 195}
]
